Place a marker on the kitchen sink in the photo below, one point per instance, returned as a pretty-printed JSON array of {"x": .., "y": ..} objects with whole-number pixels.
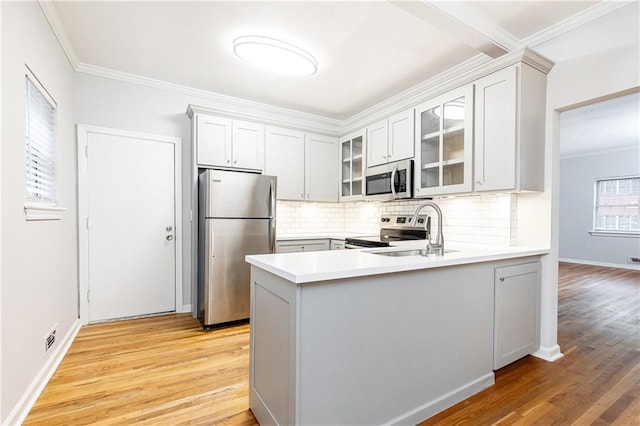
[{"x": 415, "y": 252}]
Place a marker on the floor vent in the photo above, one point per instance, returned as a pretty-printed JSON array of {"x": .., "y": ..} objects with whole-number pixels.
[
  {"x": 632, "y": 259},
  {"x": 50, "y": 340}
]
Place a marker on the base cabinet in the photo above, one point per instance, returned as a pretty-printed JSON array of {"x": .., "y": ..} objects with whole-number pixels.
[
  {"x": 298, "y": 246},
  {"x": 517, "y": 312}
]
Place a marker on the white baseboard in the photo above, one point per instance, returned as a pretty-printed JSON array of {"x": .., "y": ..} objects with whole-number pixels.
[
  {"x": 550, "y": 354},
  {"x": 185, "y": 309},
  {"x": 29, "y": 398},
  {"x": 433, "y": 407},
  {"x": 608, "y": 265}
]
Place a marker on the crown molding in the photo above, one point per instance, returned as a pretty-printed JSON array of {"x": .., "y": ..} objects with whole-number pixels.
[
  {"x": 227, "y": 105},
  {"x": 56, "y": 26},
  {"x": 575, "y": 21},
  {"x": 464, "y": 73}
]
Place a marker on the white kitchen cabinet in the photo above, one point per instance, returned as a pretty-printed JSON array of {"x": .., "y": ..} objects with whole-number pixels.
[
  {"x": 510, "y": 130},
  {"x": 391, "y": 139},
  {"x": 517, "y": 312},
  {"x": 337, "y": 245},
  {"x": 444, "y": 144},
  {"x": 284, "y": 158},
  {"x": 305, "y": 164},
  {"x": 222, "y": 142},
  {"x": 297, "y": 246},
  {"x": 352, "y": 166},
  {"x": 378, "y": 138},
  {"x": 321, "y": 168}
]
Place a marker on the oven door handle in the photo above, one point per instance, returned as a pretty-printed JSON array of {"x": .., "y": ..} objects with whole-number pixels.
[{"x": 393, "y": 182}]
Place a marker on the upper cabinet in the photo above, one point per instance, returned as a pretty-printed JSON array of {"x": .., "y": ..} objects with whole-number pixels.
[
  {"x": 321, "y": 168},
  {"x": 285, "y": 159},
  {"x": 509, "y": 130},
  {"x": 222, "y": 142},
  {"x": 352, "y": 166},
  {"x": 305, "y": 164},
  {"x": 444, "y": 150},
  {"x": 390, "y": 139}
]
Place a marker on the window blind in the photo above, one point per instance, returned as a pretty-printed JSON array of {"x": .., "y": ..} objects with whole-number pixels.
[
  {"x": 41, "y": 153},
  {"x": 617, "y": 205}
]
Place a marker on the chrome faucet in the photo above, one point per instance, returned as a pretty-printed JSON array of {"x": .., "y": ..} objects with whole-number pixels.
[{"x": 438, "y": 246}]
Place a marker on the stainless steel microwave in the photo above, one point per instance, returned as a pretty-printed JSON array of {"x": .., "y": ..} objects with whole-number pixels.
[{"x": 392, "y": 181}]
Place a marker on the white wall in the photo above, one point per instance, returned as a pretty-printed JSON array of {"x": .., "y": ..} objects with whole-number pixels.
[
  {"x": 39, "y": 259},
  {"x": 111, "y": 103},
  {"x": 577, "y": 177},
  {"x": 569, "y": 84}
]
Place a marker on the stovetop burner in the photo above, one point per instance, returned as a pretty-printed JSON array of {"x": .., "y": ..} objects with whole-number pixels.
[{"x": 395, "y": 228}]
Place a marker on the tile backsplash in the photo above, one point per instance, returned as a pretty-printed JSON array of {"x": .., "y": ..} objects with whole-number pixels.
[{"x": 489, "y": 219}]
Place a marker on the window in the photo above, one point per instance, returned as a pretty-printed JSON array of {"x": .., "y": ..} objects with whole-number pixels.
[
  {"x": 41, "y": 152},
  {"x": 617, "y": 205}
]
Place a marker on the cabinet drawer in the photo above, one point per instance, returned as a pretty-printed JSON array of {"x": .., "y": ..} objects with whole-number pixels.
[{"x": 295, "y": 246}]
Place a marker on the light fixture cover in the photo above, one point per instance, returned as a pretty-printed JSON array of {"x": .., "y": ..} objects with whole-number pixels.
[{"x": 275, "y": 55}]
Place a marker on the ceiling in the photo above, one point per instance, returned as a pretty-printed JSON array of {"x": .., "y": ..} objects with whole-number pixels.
[
  {"x": 367, "y": 51},
  {"x": 602, "y": 126}
]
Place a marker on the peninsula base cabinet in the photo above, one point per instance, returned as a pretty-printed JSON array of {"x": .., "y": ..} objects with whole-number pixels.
[
  {"x": 517, "y": 312},
  {"x": 392, "y": 348}
]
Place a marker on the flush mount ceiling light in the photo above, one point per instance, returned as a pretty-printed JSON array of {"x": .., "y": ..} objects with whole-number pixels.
[{"x": 275, "y": 55}]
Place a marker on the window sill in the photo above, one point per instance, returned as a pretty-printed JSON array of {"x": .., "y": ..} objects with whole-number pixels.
[
  {"x": 36, "y": 211},
  {"x": 625, "y": 234}
]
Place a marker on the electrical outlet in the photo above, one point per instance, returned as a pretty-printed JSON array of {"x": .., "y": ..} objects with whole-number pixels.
[
  {"x": 633, "y": 259},
  {"x": 50, "y": 338}
]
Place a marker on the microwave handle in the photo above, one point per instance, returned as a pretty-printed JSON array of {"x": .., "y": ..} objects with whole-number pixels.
[{"x": 393, "y": 182}]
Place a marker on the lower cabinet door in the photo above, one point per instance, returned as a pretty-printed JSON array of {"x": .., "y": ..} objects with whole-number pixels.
[{"x": 517, "y": 312}]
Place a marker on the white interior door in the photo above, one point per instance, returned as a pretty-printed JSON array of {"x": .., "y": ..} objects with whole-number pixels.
[{"x": 131, "y": 226}]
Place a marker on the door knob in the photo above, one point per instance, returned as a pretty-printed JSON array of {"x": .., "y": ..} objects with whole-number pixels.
[{"x": 169, "y": 237}]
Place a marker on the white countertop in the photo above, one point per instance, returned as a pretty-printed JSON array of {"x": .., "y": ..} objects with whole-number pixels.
[
  {"x": 316, "y": 236},
  {"x": 338, "y": 264}
]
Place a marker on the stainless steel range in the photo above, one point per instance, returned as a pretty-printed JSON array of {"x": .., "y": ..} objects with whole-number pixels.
[{"x": 393, "y": 228}]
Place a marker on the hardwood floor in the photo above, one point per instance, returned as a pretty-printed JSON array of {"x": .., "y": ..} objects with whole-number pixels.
[
  {"x": 158, "y": 371},
  {"x": 166, "y": 371},
  {"x": 597, "y": 382}
]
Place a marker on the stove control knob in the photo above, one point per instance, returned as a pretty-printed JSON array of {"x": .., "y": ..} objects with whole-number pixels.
[{"x": 420, "y": 220}]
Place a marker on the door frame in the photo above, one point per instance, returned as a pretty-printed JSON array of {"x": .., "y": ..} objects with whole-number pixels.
[{"x": 83, "y": 131}]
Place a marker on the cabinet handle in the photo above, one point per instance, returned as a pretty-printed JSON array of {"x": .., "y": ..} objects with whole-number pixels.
[
  {"x": 235, "y": 162},
  {"x": 308, "y": 196},
  {"x": 302, "y": 196},
  {"x": 228, "y": 161},
  {"x": 478, "y": 183},
  {"x": 502, "y": 279}
]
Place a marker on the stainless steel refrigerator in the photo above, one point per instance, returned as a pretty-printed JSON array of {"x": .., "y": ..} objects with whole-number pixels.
[{"x": 236, "y": 217}]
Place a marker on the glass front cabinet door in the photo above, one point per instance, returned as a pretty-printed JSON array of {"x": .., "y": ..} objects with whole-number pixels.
[
  {"x": 444, "y": 132},
  {"x": 352, "y": 148}
]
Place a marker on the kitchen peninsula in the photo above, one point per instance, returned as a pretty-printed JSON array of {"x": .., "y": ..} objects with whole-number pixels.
[{"x": 355, "y": 337}]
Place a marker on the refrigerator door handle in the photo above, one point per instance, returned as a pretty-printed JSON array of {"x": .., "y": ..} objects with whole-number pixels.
[
  {"x": 210, "y": 239},
  {"x": 272, "y": 218}
]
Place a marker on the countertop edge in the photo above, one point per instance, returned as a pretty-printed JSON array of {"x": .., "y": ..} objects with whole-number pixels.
[{"x": 302, "y": 278}]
